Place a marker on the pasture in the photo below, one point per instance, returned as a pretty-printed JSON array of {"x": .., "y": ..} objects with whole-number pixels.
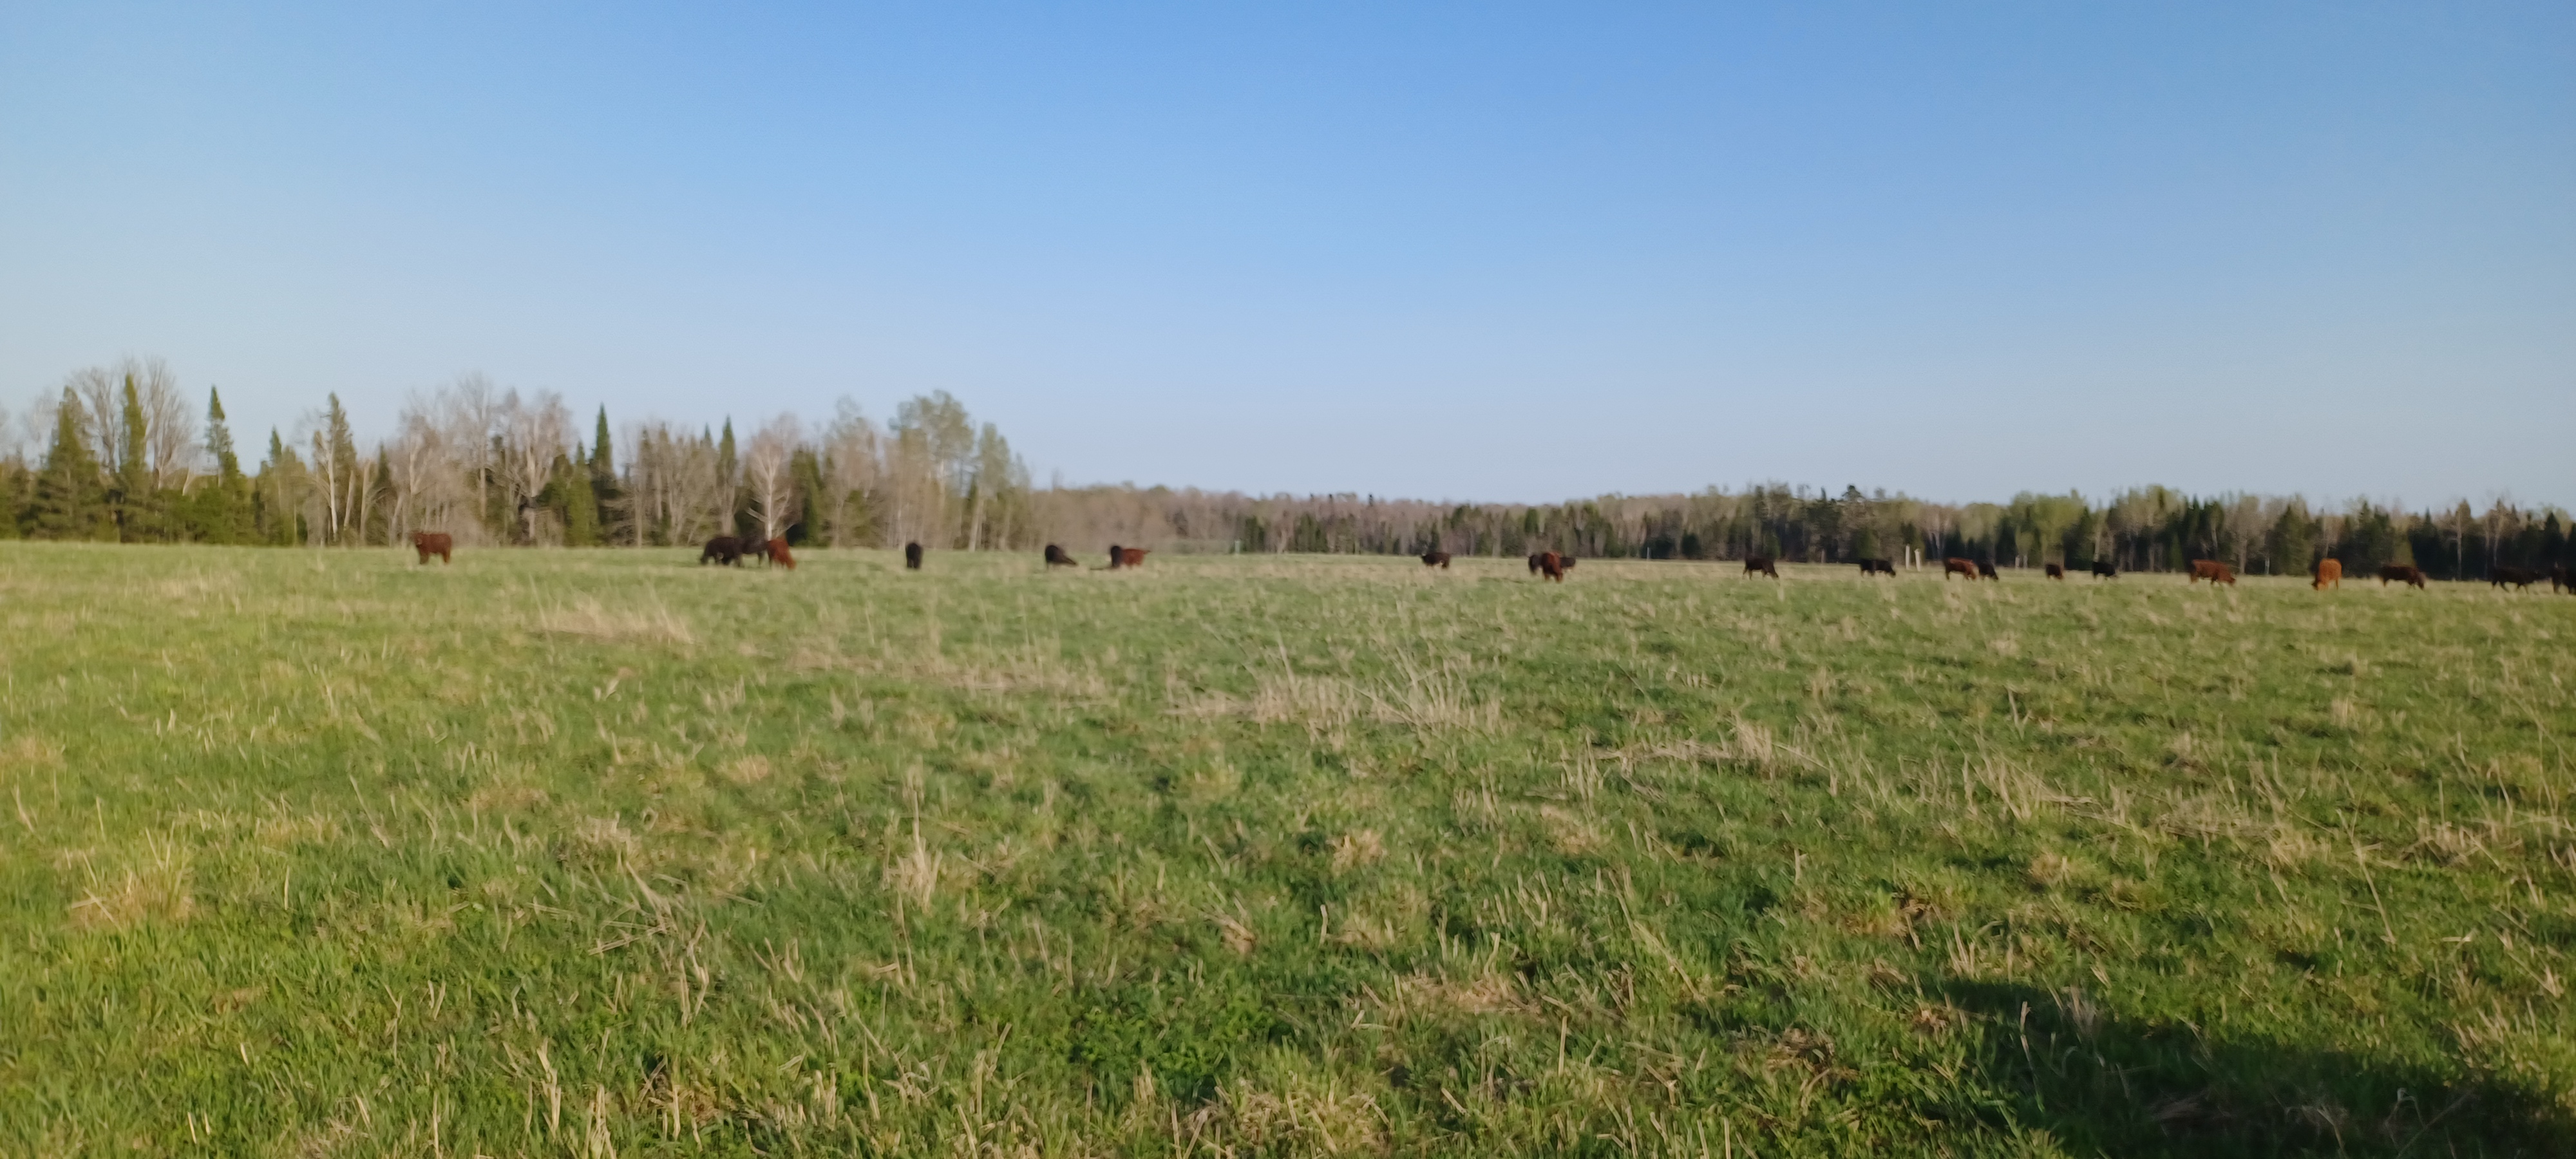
[{"x": 600, "y": 852}]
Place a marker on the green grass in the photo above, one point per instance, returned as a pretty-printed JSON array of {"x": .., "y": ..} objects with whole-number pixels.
[{"x": 557, "y": 853}]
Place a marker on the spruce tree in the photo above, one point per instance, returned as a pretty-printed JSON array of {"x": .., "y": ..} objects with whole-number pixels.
[
  {"x": 135, "y": 506},
  {"x": 607, "y": 497},
  {"x": 71, "y": 492}
]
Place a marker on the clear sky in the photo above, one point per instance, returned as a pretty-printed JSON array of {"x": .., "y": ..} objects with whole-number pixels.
[{"x": 1472, "y": 251}]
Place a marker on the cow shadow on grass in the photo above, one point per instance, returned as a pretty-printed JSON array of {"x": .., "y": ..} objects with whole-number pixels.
[{"x": 2102, "y": 1085}]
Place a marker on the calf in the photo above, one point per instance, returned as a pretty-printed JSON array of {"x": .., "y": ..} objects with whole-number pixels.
[
  {"x": 1956, "y": 566},
  {"x": 2103, "y": 570},
  {"x": 1869, "y": 567},
  {"x": 1550, "y": 565},
  {"x": 2405, "y": 573},
  {"x": 2520, "y": 577},
  {"x": 1760, "y": 565},
  {"x": 2329, "y": 573},
  {"x": 1436, "y": 558},
  {"x": 912, "y": 557},
  {"x": 429, "y": 543},
  {"x": 2213, "y": 571},
  {"x": 725, "y": 550},
  {"x": 1055, "y": 557},
  {"x": 1125, "y": 557},
  {"x": 2056, "y": 572}
]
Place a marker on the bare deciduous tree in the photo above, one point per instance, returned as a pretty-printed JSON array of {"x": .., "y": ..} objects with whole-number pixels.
[{"x": 766, "y": 475}]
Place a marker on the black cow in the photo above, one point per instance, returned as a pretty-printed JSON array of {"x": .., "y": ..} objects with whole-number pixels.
[
  {"x": 723, "y": 549},
  {"x": 912, "y": 557},
  {"x": 2103, "y": 570}
]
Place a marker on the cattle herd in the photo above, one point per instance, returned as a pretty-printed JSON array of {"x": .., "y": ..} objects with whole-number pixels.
[{"x": 731, "y": 550}]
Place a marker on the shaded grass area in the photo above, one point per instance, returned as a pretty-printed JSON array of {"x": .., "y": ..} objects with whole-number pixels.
[{"x": 582, "y": 852}]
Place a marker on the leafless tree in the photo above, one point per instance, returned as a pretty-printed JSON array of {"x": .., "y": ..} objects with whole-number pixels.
[
  {"x": 852, "y": 470},
  {"x": 767, "y": 476},
  {"x": 532, "y": 433}
]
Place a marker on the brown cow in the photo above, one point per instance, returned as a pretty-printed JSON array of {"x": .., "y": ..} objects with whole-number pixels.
[
  {"x": 1055, "y": 557},
  {"x": 437, "y": 543},
  {"x": 724, "y": 549},
  {"x": 1760, "y": 565},
  {"x": 2056, "y": 571},
  {"x": 777, "y": 549},
  {"x": 1956, "y": 566},
  {"x": 1551, "y": 565},
  {"x": 1436, "y": 558},
  {"x": 1125, "y": 557},
  {"x": 2329, "y": 573},
  {"x": 2405, "y": 573},
  {"x": 1886, "y": 567},
  {"x": 2215, "y": 572},
  {"x": 912, "y": 557},
  {"x": 1986, "y": 570}
]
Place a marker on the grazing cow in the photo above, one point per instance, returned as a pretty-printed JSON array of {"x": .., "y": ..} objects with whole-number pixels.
[
  {"x": 437, "y": 543},
  {"x": 1564, "y": 562},
  {"x": 2329, "y": 573},
  {"x": 1533, "y": 561},
  {"x": 1956, "y": 566},
  {"x": 777, "y": 549},
  {"x": 1056, "y": 557},
  {"x": 2213, "y": 571},
  {"x": 2520, "y": 577},
  {"x": 2056, "y": 572},
  {"x": 1869, "y": 567},
  {"x": 1986, "y": 570},
  {"x": 1551, "y": 565},
  {"x": 1436, "y": 558},
  {"x": 2562, "y": 577},
  {"x": 912, "y": 557},
  {"x": 2405, "y": 573},
  {"x": 1760, "y": 565},
  {"x": 724, "y": 549},
  {"x": 2103, "y": 570},
  {"x": 1125, "y": 557}
]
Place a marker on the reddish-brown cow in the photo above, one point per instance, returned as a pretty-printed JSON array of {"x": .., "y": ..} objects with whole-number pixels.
[
  {"x": 778, "y": 554},
  {"x": 1962, "y": 567},
  {"x": 1551, "y": 565},
  {"x": 1125, "y": 557},
  {"x": 2329, "y": 575},
  {"x": 2215, "y": 572},
  {"x": 437, "y": 543}
]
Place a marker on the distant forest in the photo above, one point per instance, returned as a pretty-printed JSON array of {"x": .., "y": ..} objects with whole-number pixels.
[{"x": 124, "y": 456}]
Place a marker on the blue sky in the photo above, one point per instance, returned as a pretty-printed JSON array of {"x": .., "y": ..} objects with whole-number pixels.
[{"x": 1472, "y": 251}]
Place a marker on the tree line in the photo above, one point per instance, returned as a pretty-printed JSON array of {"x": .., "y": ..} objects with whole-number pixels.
[{"x": 122, "y": 455}]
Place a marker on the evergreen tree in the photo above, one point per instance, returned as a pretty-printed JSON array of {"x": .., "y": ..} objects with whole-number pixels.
[
  {"x": 575, "y": 502},
  {"x": 220, "y": 512},
  {"x": 134, "y": 500},
  {"x": 70, "y": 494},
  {"x": 278, "y": 495},
  {"x": 608, "y": 498}
]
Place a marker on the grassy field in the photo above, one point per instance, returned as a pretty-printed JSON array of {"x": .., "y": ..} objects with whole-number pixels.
[{"x": 592, "y": 853}]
